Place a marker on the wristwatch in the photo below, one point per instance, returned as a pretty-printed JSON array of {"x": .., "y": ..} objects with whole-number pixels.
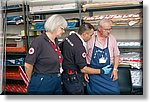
[{"x": 115, "y": 69}]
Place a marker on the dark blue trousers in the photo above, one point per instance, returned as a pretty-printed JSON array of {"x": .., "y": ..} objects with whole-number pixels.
[
  {"x": 73, "y": 84},
  {"x": 45, "y": 84}
]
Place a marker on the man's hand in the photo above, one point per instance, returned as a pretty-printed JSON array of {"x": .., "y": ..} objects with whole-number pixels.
[
  {"x": 114, "y": 75},
  {"x": 107, "y": 69},
  {"x": 86, "y": 77}
]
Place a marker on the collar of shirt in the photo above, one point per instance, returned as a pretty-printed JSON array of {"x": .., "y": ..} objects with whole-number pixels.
[
  {"x": 45, "y": 36},
  {"x": 83, "y": 42}
]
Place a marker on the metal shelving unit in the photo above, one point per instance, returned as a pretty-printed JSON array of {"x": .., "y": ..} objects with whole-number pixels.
[
  {"x": 63, "y": 11},
  {"x": 6, "y": 11}
]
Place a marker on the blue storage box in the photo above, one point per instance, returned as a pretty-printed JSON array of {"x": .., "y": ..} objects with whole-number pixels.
[
  {"x": 10, "y": 62},
  {"x": 38, "y": 25},
  {"x": 72, "y": 23},
  {"x": 19, "y": 61},
  {"x": 14, "y": 20}
]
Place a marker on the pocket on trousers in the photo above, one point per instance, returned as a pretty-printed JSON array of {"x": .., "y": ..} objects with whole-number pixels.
[
  {"x": 73, "y": 85},
  {"x": 35, "y": 83}
]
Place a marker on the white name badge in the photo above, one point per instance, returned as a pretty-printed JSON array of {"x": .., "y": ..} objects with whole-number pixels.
[{"x": 102, "y": 60}]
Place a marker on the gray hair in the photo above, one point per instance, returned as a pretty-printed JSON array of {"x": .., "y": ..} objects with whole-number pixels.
[
  {"x": 101, "y": 22},
  {"x": 53, "y": 22}
]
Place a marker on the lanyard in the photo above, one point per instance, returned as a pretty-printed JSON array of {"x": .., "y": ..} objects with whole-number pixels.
[{"x": 57, "y": 51}]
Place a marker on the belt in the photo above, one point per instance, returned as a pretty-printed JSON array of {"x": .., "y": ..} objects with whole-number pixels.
[
  {"x": 70, "y": 71},
  {"x": 48, "y": 74}
]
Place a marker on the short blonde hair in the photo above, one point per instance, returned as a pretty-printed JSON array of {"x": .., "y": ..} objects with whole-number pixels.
[{"x": 53, "y": 22}]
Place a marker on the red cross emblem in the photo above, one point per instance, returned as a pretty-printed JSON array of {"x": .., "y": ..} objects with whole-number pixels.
[
  {"x": 31, "y": 50},
  {"x": 84, "y": 55}
]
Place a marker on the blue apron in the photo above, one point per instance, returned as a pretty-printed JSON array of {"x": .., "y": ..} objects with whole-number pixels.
[{"x": 101, "y": 84}]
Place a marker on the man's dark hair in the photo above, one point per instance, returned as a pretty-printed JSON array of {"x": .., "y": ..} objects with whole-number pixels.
[{"x": 84, "y": 27}]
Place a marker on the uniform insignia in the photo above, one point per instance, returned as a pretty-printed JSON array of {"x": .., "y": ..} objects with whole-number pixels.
[
  {"x": 31, "y": 50},
  {"x": 69, "y": 42},
  {"x": 84, "y": 55}
]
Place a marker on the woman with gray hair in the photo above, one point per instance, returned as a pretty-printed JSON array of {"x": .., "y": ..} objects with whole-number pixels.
[{"x": 43, "y": 60}]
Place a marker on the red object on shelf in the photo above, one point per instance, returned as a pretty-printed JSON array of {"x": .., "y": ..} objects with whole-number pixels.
[
  {"x": 15, "y": 49},
  {"x": 16, "y": 87},
  {"x": 11, "y": 45},
  {"x": 132, "y": 60},
  {"x": 23, "y": 75},
  {"x": 12, "y": 73}
]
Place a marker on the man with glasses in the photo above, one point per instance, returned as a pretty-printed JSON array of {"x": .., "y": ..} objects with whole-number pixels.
[{"x": 102, "y": 50}]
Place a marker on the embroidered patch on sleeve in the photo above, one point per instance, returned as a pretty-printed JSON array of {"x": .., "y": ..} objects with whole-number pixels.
[
  {"x": 84, "y": 55},
  {"x": 31, "y": 51}
]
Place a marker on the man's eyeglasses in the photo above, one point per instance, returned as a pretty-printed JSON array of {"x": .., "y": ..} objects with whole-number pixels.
[{"x": 107, "y": 29}]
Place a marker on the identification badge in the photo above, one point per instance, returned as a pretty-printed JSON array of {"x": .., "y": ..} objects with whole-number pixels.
[{"x": 102, "y": 60}]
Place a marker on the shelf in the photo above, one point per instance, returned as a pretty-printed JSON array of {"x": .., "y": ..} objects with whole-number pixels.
[
  {"x": 13, "y": 37},
  {"x": 14, "y": 65},
  {"x": 114, "y": 8},
  {"x": 124, "y": 65},
  {"x": 17, "y": 8},
  {"x": 32, "y": 30},
  {"x": 76, "y": 28},
  {"x": 130, "y": 47},
  {"x": 11, "y": 10},
  {"x": 16, "y": 53},
  {"x": 123, "y": 27},
  {"x": 55, "y": 12},
  {"x": 16, "y": 49},
  {"x": 22, "y": 23},
  {"x": 88, "y": 9},
  {"x": 13, "y": 78}
]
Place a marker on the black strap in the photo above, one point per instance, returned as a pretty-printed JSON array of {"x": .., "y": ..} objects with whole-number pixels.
[
  {"x": 61, "y": 45},
  {"x": 101, "y": 71},
  {"x": 107, "y": 41},
  {"x": 95, "y": 39}
]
